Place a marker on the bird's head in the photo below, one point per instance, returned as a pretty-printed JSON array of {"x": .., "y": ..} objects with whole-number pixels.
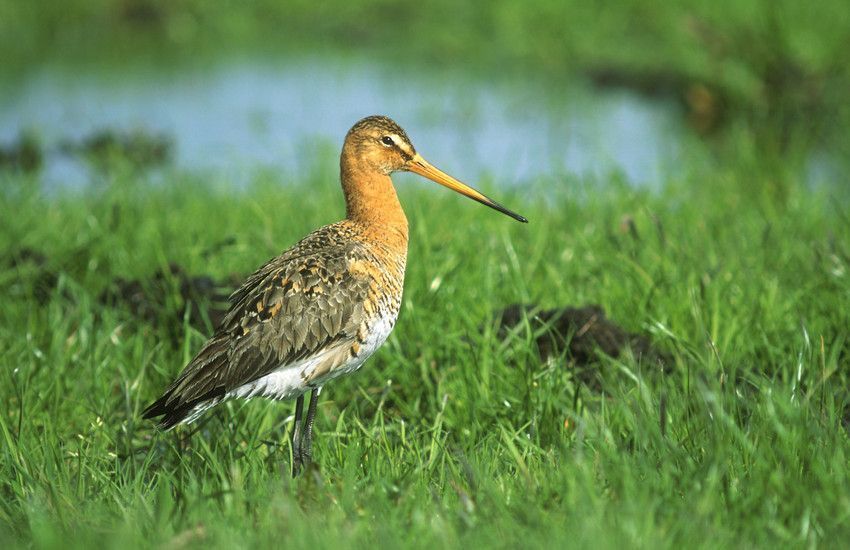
[{"x": 381, "y": 145}]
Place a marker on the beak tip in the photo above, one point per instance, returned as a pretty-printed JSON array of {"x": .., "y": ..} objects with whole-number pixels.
[{"x": 518, "y": 217}]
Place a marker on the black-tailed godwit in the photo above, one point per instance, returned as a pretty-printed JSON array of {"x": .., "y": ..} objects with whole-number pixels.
[{"x": 320, "y": 309}]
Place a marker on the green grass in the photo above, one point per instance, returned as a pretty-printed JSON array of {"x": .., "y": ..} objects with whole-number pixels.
[{"x": 448, "y": 436}]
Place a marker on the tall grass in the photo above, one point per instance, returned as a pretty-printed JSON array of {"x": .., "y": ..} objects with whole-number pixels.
[{"x": 449, "y": 435}]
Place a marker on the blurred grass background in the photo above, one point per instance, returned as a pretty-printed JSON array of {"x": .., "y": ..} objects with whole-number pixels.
[{"x": 773, "y": 61}]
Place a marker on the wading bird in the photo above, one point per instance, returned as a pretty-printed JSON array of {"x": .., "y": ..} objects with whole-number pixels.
[{"x": 320, "y": 309}]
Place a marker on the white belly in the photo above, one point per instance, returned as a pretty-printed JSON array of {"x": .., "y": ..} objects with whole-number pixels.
[
  {"x": 378, "y": 334},
  {"x": 289, "y": 381}
]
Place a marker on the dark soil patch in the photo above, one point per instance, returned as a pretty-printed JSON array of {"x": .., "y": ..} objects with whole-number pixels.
[
  {"x": 167, "y": 295},
  {"x": 579, "y": 334}
]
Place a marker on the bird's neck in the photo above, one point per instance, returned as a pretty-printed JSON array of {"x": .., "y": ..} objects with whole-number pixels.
[{"x": 371, "y": 202}]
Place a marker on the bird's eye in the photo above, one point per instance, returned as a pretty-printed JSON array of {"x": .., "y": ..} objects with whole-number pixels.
[{"x": 387, "y": 140}]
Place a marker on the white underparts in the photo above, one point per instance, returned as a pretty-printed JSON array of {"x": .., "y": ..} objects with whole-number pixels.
[{"x": 290, "y": 381}]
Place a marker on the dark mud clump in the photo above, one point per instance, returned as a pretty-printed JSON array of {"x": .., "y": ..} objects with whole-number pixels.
[
  {"x": 164, "y": 298},
  {"x": 33, "y": 275},
  {"x": 579, "y": 334}
]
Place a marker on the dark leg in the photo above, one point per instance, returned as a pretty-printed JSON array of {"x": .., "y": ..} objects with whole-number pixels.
[
  {"x": 307, "y": 444},
  {"x": 296, "y": 436}
]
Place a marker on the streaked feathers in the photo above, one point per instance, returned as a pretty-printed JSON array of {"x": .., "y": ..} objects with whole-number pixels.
[{"x": 308, "y": 309}]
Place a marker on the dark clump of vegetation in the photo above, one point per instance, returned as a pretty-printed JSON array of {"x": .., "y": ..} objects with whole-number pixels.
[
  {"x": 138, "y": 148},
  {"x": 784, "y": 95},
  {"x": 103, "y": 149},
  {"x": 24, "y": 154}
]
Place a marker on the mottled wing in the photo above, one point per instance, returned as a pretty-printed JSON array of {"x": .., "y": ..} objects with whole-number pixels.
[{"x": 305, "y": 302}]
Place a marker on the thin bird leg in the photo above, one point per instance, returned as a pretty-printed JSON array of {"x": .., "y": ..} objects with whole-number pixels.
[
  {"x": 296, "y": 436},
  {"x": 307, "y": 445}
]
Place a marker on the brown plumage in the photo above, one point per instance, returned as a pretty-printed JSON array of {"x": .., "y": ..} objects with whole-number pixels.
[{"x": 322, "y": 307}]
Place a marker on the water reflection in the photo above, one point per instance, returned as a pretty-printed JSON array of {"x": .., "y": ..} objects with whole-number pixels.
[{"x": 239, "y": 116}]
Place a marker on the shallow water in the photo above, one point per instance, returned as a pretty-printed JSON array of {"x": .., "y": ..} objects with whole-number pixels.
[{"x": 237, "y": 117}]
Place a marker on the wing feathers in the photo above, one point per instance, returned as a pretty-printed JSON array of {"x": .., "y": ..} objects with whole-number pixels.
[{"x": 294, "y": 307}]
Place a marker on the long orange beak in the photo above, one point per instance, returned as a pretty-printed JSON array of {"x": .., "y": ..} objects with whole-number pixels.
[{"x": 419, "y": 165}]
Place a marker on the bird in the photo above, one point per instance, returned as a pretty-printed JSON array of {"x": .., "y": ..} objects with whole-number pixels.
[{"x": 320, "y": 309}]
